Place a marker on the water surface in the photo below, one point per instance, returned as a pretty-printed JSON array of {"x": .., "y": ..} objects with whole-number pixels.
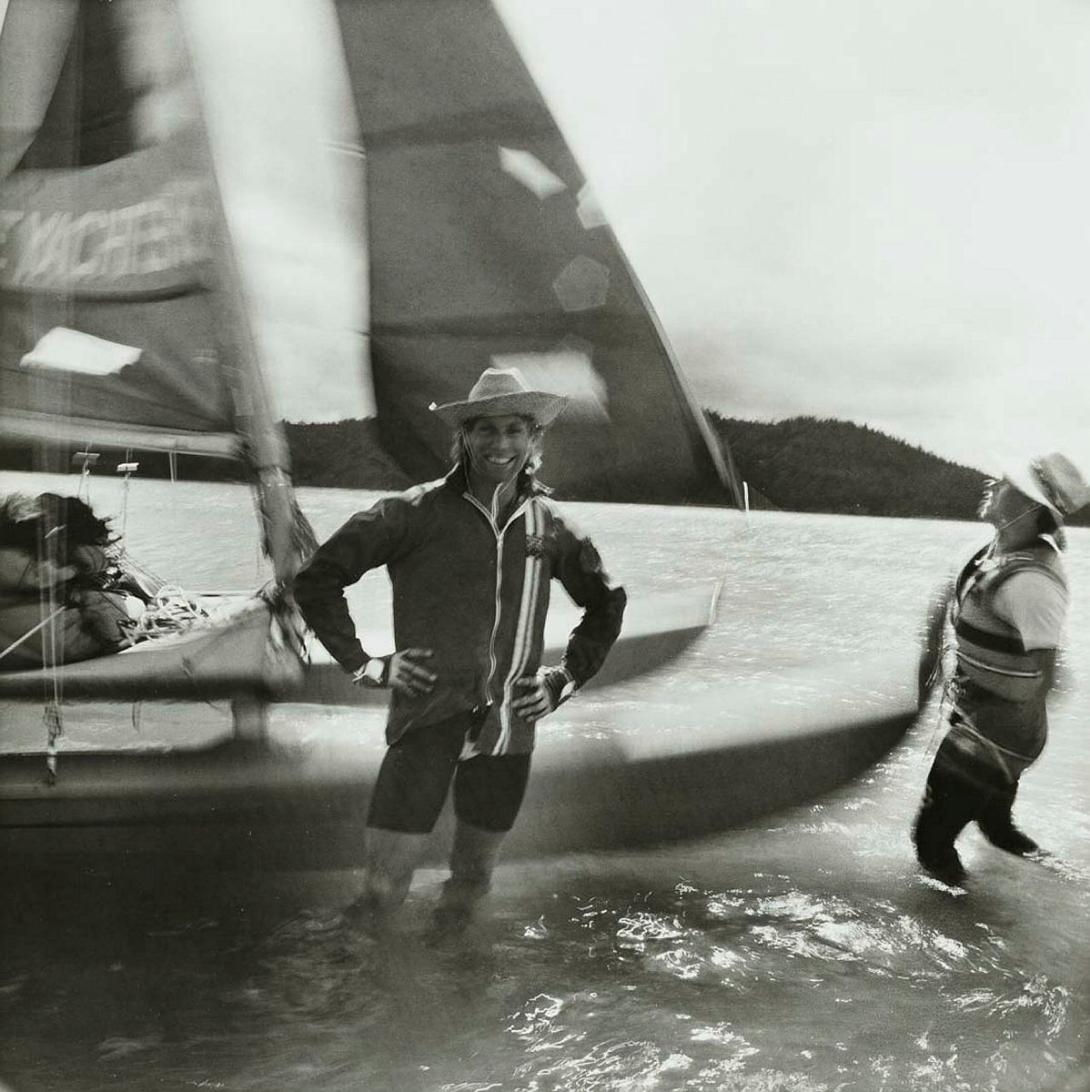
[{"x": 802, "y": 952}]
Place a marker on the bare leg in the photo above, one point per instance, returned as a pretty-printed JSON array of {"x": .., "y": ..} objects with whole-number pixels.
[
  {"x": 390, "y": 861},
  {"x": 471, "y": 863}
]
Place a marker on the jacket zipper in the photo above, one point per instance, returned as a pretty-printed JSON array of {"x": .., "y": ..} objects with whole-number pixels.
[{"x": 499, "y": 532}]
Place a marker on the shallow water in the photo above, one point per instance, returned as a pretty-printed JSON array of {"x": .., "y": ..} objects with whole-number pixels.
[{"x": 802, "y": 952}]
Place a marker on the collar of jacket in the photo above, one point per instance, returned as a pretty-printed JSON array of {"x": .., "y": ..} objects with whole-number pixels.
[{"x": 457, "y": 479}]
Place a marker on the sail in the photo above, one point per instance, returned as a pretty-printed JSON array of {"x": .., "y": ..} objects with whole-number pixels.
[
  {"x": 108, "y": 329},
  {"x": 485, "y": 247},
  {"x": 122, "y": 317},
  {"x": 123, "y": 322}
]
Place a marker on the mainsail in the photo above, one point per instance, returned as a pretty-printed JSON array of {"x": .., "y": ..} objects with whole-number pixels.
[
  {"x": 121, "y": 322},
  {"x": 122, "y": 318},
  {"x": 106, "y": 245},
  {"x": 485, "y": 246}
]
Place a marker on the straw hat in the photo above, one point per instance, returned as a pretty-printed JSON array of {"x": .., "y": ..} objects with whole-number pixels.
[
  {"x": 498, "y": 393},
  {"x": 1052, "y": 480}
]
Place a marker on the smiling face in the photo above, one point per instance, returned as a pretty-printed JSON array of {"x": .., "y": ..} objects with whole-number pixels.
[{"x": 499, "y": 447}]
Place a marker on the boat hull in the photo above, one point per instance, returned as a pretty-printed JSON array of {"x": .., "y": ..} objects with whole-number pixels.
[{"x": 722, "y": 761}]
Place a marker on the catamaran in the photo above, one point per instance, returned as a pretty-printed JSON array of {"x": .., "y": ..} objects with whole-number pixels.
[{"x": 127, "y": 323}]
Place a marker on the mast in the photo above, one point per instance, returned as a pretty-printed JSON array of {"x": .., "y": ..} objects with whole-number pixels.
[
  {"x": 265, "y": 450},
  {"x": 310, "y": 181}
]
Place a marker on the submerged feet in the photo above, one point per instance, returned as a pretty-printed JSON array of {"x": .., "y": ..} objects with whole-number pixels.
[
  {"x": 448, "y": 923},
  {"x": 1011, "y": 840},
  {"x": 935, "y": 849},
  {"x": 369, "y": 913},
  {"x": 943, "y": 865}
]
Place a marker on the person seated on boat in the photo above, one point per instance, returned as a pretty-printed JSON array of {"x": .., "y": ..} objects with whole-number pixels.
[
  {"x": 470, "y": 557},
  {"x": 60, "y": 599},
  {"x": 1007, "y": 609}
]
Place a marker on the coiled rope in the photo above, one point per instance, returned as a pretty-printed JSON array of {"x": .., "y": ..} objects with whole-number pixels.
[{"x": 170, "y": 612}]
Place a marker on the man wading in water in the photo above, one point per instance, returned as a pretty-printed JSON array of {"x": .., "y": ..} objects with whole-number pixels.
[
  {"x": 1007, "y": 608},
  {"x": 470, "y": 557}
]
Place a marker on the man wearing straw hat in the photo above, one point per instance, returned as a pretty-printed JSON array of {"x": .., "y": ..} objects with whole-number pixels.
[
  {"x": 470, "y": 557},
  {"x": 1007, "y": 608}
]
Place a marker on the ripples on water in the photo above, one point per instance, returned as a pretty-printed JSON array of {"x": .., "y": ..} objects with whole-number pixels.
[{"x": 801, "y": 953}]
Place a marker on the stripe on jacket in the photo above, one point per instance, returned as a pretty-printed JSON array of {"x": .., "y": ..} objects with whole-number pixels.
[{"x": 524, "y": 626}]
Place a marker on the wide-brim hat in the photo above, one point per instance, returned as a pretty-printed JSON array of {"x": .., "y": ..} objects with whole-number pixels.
[
  {"x": 1052, "y": 480},
  {"x": 500, "y": 392}
]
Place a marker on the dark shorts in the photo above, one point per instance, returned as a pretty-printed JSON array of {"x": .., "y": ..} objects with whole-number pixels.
[{"x": 416, "y": 773}]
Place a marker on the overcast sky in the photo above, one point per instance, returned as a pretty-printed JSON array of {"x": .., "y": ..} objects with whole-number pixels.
[
  {"x": 842, "y": 208},
  {"x": 870, "y": 211}
]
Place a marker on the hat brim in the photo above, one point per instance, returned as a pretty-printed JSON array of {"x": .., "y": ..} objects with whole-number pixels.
[
  {"x": 1020, "y": 477},
  {"x": 543, "y": 407}
]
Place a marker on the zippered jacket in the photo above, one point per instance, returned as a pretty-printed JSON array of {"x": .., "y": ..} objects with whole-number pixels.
[{"x": 474, "y": 593}]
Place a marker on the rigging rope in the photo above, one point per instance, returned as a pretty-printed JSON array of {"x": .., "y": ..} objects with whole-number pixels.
[
  {"x": 30, "y": 632},
  {"x": 171, "y": 611},
  {"x": 87, "y": 458},
  {"x": 47, "y": 599},
  {"x": 942, "y": 678},
  {"x": 128, "y": 465}
]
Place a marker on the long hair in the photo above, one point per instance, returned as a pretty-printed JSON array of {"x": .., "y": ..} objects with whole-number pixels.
[
  {"x": 24, "y": 521},
  {"x": 18, "y": 521},
  {"x": 459, "y": 445}
]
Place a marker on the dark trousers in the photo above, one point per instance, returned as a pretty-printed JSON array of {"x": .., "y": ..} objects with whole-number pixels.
[
  {"x": 411, "y": 788},
  {"x": 956, "y": 796},
  {"x": 416, "y": 775}
]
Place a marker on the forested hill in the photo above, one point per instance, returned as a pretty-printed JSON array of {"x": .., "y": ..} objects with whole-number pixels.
[
  {"x": 805, "y": 464},
  {"x": 801, "y": 464},
  {"x": 345, "y": 454}
]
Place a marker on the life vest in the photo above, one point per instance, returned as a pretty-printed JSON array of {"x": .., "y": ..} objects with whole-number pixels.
[{"x": 990, "y": 653}]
